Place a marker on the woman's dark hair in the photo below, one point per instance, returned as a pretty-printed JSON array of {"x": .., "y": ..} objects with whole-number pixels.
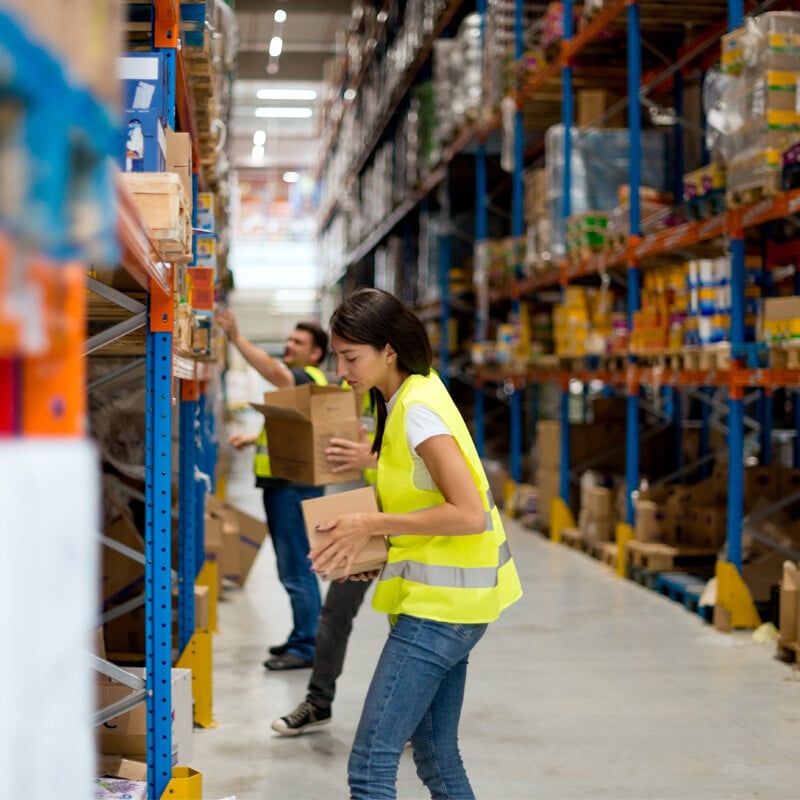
[{"x": 377, "y": 318}]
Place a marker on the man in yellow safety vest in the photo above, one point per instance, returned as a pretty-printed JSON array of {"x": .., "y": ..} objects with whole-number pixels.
[{"x": 304, "y": 350}]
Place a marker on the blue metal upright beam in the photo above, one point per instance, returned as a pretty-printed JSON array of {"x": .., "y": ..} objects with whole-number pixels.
[
  {"x": 187, "y": 521},
  {"x": 735, "y": 399},
  {"x": 567, "y": 119},
  {"x": 158, "y": 530},
  {"x": 796, "y": 418},
  {"x": 677, "y": 426},
  {"x": 765, "y": 421},
  {"x": 517, "y": 232},
  {"x": 634, "y": 276},
  {"x": 444, "y": 277},
  {"x": 481, "y": 255},
  {"x": 158, "y": 563},
  {"x": 705, "y": 431}
]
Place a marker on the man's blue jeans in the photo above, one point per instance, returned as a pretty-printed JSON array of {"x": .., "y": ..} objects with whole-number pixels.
[
  {"x": 416, "y": 693},
  {"x": 288, "y": 533}
]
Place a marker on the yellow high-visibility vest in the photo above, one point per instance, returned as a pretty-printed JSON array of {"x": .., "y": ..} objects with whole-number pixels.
[
  {"x": 261, "y": 464},
  {"x": 455, "y": 579},
  {"x": 369, "y": 421}
]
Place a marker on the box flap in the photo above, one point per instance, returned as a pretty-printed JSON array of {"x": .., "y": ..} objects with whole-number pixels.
[{"x": 276, "y": 412}]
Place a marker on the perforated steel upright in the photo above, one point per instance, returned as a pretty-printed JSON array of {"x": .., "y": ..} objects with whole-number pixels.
[{"x": 736, "y": 393}]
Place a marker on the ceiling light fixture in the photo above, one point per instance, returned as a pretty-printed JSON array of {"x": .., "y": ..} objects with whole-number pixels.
[
  {"x": 260, "y": 138},
  {"x": 276, "y": 41},
  {"x": 257, "y": 153},
  {"x": 291, "y": 177},
  {"x": 278, "y": 112},
  {"x": 286, "y": 94}
]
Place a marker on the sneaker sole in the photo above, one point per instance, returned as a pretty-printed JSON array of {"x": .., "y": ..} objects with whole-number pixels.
[{"x": 279, "y": 727}]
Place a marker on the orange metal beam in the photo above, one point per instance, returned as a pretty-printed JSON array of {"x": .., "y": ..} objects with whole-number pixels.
[
  {"x": 166, "y": 23},
  {"x": 53, "y": 384}
]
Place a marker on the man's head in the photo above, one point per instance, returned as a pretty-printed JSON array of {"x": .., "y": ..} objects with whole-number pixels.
[{"x": 306, "y": 346}]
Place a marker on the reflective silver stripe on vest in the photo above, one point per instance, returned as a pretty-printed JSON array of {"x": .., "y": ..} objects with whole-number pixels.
[
  {"x": 262, "y": 450},
  {"x": 448, "y": 577}
]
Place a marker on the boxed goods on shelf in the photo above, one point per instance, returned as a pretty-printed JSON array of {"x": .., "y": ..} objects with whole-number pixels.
[
  {"x": 752, "y": 106},
  {"x": 160, "y": 198},
  {"x": 780, "y": 319},
  {"x": 599, "y": 166}
]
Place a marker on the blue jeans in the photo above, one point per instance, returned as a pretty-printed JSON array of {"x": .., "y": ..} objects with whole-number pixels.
[
  {"x": 288, "y": 533},
  {"x": 416, "y": 693}
]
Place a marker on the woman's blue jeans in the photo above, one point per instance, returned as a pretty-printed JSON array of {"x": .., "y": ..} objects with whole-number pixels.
[
  {"x": 288, "y": 533},
  {"x": 416, "y": 693}
]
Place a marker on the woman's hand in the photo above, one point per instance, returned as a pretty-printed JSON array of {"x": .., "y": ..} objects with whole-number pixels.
[
  {"x": 348, "y": 455},
  {"x": 361, "y": 576},
  {"x": 346, "y": 538}
]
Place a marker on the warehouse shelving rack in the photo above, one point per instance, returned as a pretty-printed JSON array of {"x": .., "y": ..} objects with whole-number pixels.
[
  {"x": 43, "y": 395},
  {"x": 739, "y": 375},
  {"x": 700, "y": 51}
]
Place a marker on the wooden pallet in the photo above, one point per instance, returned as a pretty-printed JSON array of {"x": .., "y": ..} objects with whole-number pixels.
[
  {"x": 788, "y": 652},
  {"x": 575, "y": 538},
  {"x": 644, "y": 577},
  {"x": 686, "y": 589},
  {"x": 784, "y": 356},
  {"x": 658, "y": 557},
  {"x": 604, "y": 552},
  {"x": 771, "y": 186}
]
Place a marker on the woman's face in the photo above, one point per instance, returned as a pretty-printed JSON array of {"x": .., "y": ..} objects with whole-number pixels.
[{"x": 363, "y": 366}]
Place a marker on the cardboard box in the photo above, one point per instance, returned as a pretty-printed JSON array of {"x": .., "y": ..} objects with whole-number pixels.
[
  {"x": 592, "y": 104},
  {"x": 322, "y": 509},
  {"x": 300, "y": 423},
  {"x": 179, "y": 160},
  {"x": 126, "y": 735},
  {"x": 252, "y": 533},
  {"x": 120, "y": 767},
  {"x": 789, "y": 597}
]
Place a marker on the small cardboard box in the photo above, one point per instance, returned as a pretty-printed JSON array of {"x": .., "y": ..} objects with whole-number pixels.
[
  {"x": 300, "y": 423},
  {"x": 126, "y": 735},
  {"x": 323, "y": 509}
]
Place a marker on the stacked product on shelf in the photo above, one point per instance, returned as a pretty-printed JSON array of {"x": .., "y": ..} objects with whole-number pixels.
[
  {"x": 756, "y": 115},
  {"x": 587, "y": 323},
  {"x": 599, "y": 167}
]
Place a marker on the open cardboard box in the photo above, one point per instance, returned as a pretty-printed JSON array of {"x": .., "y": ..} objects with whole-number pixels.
[
  {"x": 323, "y": 509},
  {"x": 300, "y": 423}
]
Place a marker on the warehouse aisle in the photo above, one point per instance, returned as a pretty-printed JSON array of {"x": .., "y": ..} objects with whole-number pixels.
[{"x": 589, "y": 687}]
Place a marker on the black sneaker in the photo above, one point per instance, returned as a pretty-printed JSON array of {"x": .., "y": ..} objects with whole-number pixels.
[
  {"x": 279, "y": 649},
  {"x": 305, "y": 716}
]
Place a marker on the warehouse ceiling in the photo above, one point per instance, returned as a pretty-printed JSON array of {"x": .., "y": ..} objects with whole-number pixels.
[{"x": 308, "y": 37}]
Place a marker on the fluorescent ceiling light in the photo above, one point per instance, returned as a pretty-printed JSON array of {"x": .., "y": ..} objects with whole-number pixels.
[
  {"x": 275, "y": 46},
  {"x": 259, "y": 138},
  {"x": 278, "y": 112},
  {"x": 279, "y": 15},
  {"x": 290, "y": 177},
  {"x": 257, "y": 153},
  {"x": 286, "y": 94}
]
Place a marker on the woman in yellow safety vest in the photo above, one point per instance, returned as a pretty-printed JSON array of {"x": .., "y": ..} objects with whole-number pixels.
[{"x": 449, "y": 570}]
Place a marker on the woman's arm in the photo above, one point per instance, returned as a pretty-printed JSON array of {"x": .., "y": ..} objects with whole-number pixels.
[{"x": 461, "y": 514}]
